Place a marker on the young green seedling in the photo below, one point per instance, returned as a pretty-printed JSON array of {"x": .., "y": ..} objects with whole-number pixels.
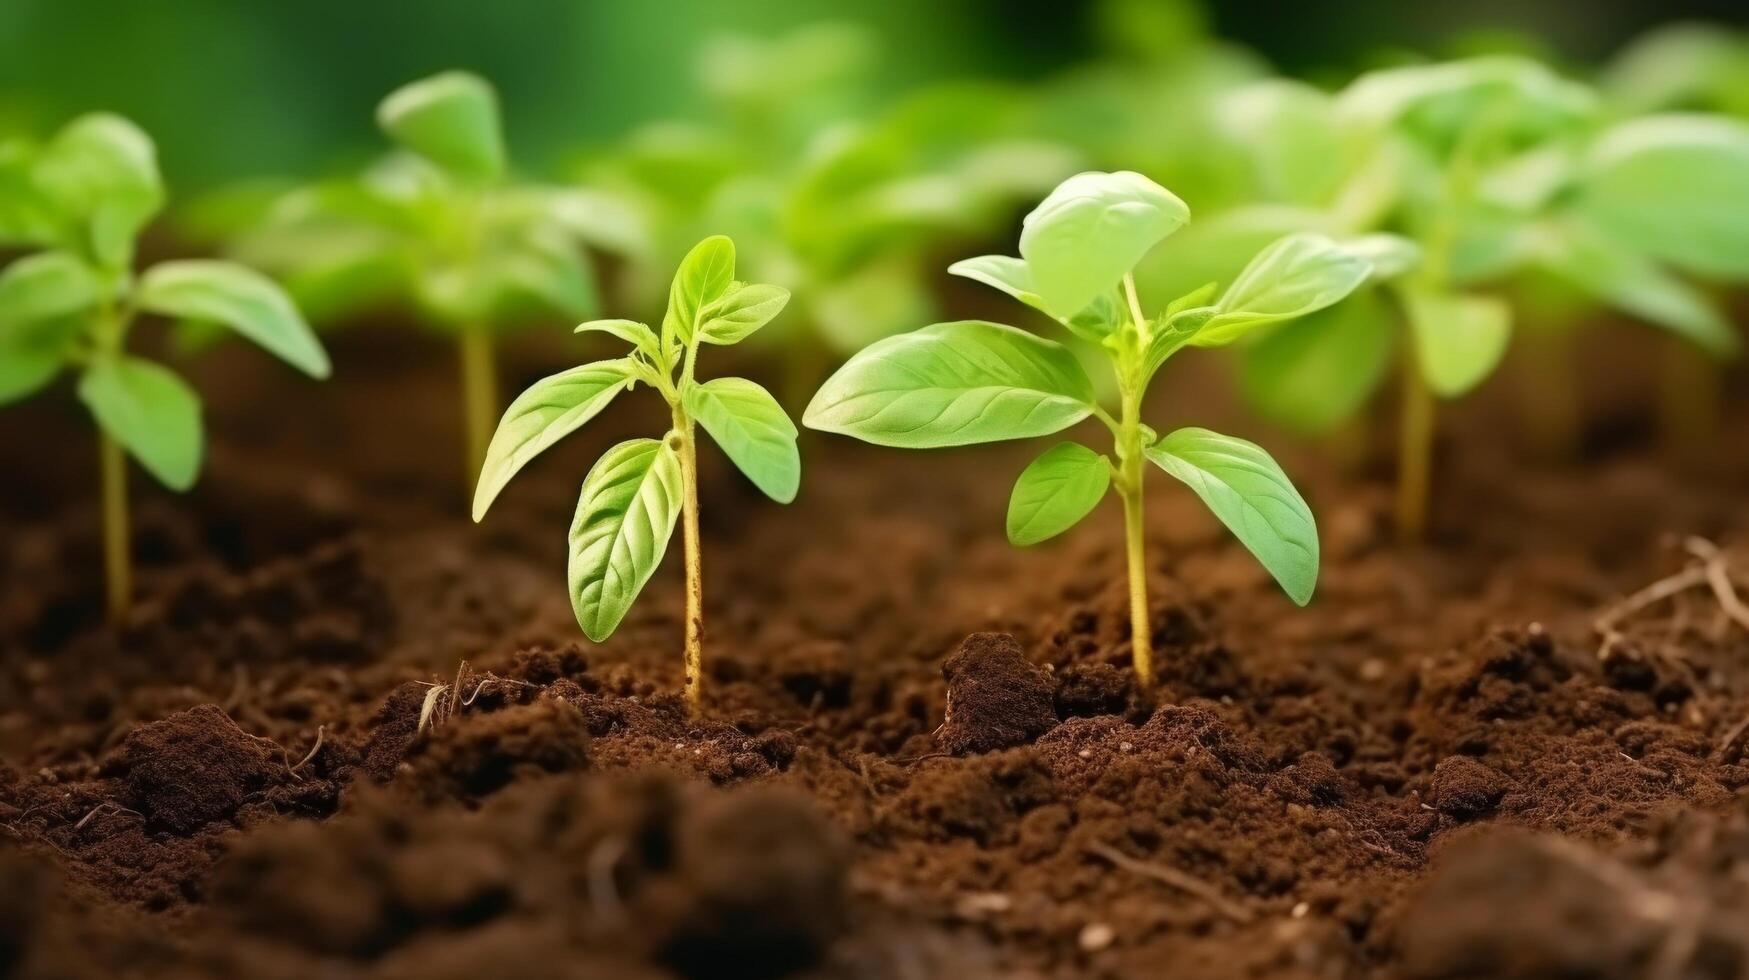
[
  {"x": 966, "y": 382},
  {"x": 81, "y": 199},
  {"x": 438, "y": 223},
  {"x": 635, "y": 492}
]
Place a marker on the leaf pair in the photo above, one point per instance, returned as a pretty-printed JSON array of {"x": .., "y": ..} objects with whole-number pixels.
[{"x": 633, "y": 495}]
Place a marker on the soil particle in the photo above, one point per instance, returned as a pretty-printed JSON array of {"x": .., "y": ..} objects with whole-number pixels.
[
  {"x": 996, "y": 698},
  {"x": 478, "y": 753},
  {"x": 1464, "y": 788},
  {"x": 193, "y": 768}
]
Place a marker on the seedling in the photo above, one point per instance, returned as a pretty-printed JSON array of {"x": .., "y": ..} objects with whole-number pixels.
[
  {"x": 81, "y": 199},
  {"x": 970, "y": 381},
  {"x": 636, "y": 491},
  {"x": 1495, "y": 169},
  {"x": 441, "y": 224}
]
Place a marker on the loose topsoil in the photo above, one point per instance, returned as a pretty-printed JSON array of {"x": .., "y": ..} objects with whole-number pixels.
[{"x": 347, "y": 733}]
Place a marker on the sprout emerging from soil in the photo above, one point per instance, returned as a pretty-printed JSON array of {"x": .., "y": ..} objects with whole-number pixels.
[
  {"x": 639, "y": 488},
  {"x": 80, "y": 200},
  {"x": 966, "y": 382}
]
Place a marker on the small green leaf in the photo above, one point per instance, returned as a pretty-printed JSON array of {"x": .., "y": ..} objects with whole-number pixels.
[
  {"x": 551, "y": 408},
  {"x": 737, "y": 315},
  {"x": 1390, "y": 255},
  {"x": 237, "y": 297},
  {"x": 1250, "y": 494},
  {"x": 151, "y": 412},
  {"x": 1459, "y": 338},
  {"x": 1677, "y": 187},
  {"x": 705, "y": 275},
  {"x": 1010, "y": 275},
  {"x": 953, "y": 384},
  {"x": 1203, "y": 295},
  {"x": 753, "y": 430},
  {"x": 1055, "y": 491},
  {"x": 450, "y": 119},
  {"x": 1313, "y": 375},
  {"x": 1091, "y": 231},
  {"x": 625, "y": 516},
  {"x": 543, "y": 265},
  {"x": 102, "y": 171},
  {"x": 637, "y": 334},
  {"x": 1297, "y": 275},
  {"x": 45, "y": 285}
]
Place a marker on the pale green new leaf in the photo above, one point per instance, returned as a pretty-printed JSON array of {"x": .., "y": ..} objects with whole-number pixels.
[
  {"x": 238, "y": 297},
  {"x": 1459, "y": 337},
  {"x": 632, "y": 332},
  {"x": 151, "y": 412},
  {"x": 1313, "y": 375},
  {"x": 450, "y": 119},
  {"x": 45, "y": 285},
  {"x": 745, "y": 309},
  {"x": 1677, "y": 187},
  {"x": 1092, "y": 230},
  {"x": 551, "y": 408},
  {"x": 625, "y": 516},
  {"x": 753, "y": 430},
  {"x": 1055, "y": 491},
  {"x": 1296, "y": 275},
  {"x": 102, "y": 171},
  {"x": 1250, "y": 494},
  {"x": 1390, "y": 256},
  {"x": 953, "y": 384},
  {"x": 705, "y": 275},
  {"x": 1010, "y": 275}
]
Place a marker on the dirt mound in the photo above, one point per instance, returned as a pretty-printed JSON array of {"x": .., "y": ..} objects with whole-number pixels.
[{"x": 996, "y": 699}]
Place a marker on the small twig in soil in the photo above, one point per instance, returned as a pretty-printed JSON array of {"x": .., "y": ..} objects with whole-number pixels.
[
  {"x": 468, "y": 702},
  {"x": 103, "y": 808},
  {"x": 1718, "y": 576},
  {"x": 1710, "y": 568},
  {"x": 321, "y": 734},
  {"x": 1174, "y": 878},
  {"x": 428, "y": 709}
]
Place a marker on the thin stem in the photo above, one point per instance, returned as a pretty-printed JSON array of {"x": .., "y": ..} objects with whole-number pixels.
[
  {"x": 479, "y": 395},
  {"x": 1135, "y": 302},
  {"x": 688, "y": 448},
  {"x": 1550, "y": 391},
  {"x": 1129, "y": 488},
  {"x": 117, "y": 560},
  {"x": 1688, "y": 401},
  {"x": 1414, "y": 452}
]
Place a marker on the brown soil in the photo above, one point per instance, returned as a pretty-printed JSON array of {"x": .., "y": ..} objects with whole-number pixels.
[{"x": 347, "y": 733}]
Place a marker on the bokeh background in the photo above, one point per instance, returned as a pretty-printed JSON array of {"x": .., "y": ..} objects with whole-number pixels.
[{"x": 242, "y": 88}]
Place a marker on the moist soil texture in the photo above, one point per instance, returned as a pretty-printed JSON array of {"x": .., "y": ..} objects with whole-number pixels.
[{"x": 345, "y": 732}]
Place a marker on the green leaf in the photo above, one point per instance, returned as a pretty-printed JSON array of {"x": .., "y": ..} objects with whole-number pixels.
[
  {"x": 1297, "y": 275},
  {"x": 1313, "y": 375},
  {"x": 26, "y": 369},
  {"x": 45, "y": 285},
  {"x": 705, "y": 275},
  {"x": 237, "y": 297},
  {"x": 1091, "y": 231},
  {"x": 1676, "y": 187},
  {"x": 1250, "y": 494},
  {"x": 102, "y": 171},
  {"x": 450, "y": 119},
  {"x": 1010, "y": 275},
  {"x": 1288, "y": 131},
  {"x": 953, "y": 384},
  {"x": 877, "y": 301},
  {"x": 543, "y": 265},
  {"x": 151, "y": 412},
  {"x": 625, "y": 516},
  {"x": 1459, "y": 337},
  {"x": 1202, "y": 295},
  {"x": 637, "y": 334},
  {"x": 1055, "y": 491},
  {"x": 737, "y": 315},
  {"x": 1610, "y": 271},
  {"x": 551, "y": 408},
  {"x": 753, "y": 430},
  {"x": 1389, "y": 255}
]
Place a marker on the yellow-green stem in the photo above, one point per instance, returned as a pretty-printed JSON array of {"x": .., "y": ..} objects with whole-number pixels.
[
  {"x": 1549, "y": 392},
  {"x": 479, "y": 395},
  {"x": 117, "y": 560},
  {"x": 1414, "y": 453},
  {"x": 1688, "y": 402},
  {"x": 688, "y": 449},
  {"x": 1141, "y": 628}
]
